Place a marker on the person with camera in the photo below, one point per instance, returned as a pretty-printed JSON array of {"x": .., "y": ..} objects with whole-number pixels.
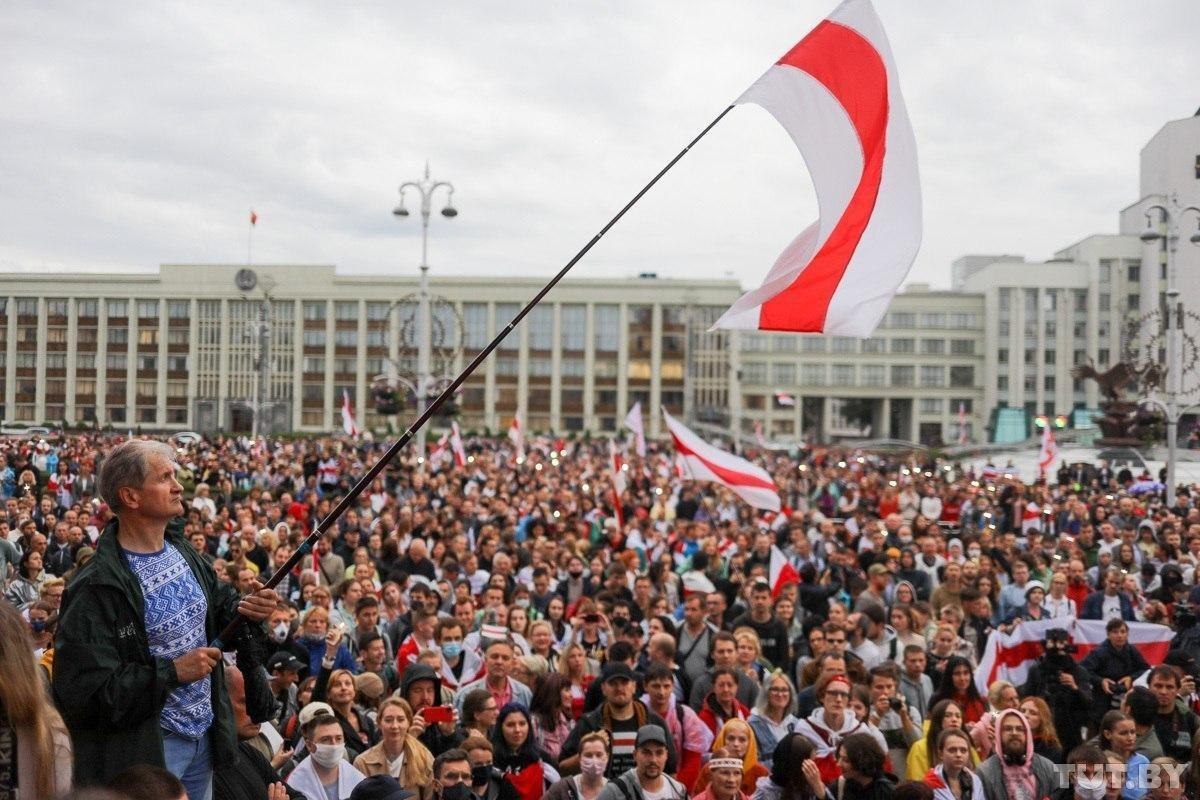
[
  {"x": 891, "y": 714},
  {"x": 1065, "y": 685},
  {"x": 1113, "y": 666}
]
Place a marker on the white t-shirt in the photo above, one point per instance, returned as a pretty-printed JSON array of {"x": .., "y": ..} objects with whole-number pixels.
[
  {"x": 665, "y": 792},
  {"x": 1111, "y": 608}
]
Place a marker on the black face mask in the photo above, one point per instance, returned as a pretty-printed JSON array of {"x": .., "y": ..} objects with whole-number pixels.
[
  {"x": 459, "y": 791},
  {"x": 481, "y": 774}
]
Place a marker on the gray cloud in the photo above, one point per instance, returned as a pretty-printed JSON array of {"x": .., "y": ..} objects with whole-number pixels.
[{"x": 138, "y": 134}]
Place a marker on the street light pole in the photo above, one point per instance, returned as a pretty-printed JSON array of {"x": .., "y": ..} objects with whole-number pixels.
[
  {"x": 1171, "y": 215},
  {"x": 425, "y": 189}
]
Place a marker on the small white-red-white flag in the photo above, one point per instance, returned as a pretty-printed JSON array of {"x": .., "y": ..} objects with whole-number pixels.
[
  {"x": 253, "y": 217},
  {"x": 785, "y": 399},
  {"x": 962, "y": 423},
  {"x": 782, "y": 571},
  {"x": 837, "y": 95},
  {"x": 633, "y": 421},
  {"x": 1031, "y": 517},
  {"x": 1049, "y": 451},
  {"x": 616, "y": 465},
  {"x": 516, "y": 435},
  {"x": 748, "y": 481},
  {"x": 456, "y": 445},
  {"x": 348, "y": 423},
  {"x": 758, "y": 434}
]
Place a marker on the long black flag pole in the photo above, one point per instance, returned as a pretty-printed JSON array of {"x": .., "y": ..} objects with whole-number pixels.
[{"x": 310, "y": 542}]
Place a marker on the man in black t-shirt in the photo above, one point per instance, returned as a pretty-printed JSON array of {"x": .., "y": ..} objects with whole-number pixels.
[{"x": 772, "y": 633}]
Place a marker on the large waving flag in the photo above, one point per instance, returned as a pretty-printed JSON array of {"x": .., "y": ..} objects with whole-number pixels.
[
  {"x": 1010, "y": 655},
  {"x": 837, "y": 95},
  {"x": 782, "y": 571},
  {"x": 706, "y": 463}
]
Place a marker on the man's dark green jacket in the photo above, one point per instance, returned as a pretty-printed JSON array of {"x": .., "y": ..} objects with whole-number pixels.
[{"x": 109, "y": 688}]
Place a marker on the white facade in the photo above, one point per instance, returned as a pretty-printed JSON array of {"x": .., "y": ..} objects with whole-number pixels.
[{"x": 176, "y": 350}]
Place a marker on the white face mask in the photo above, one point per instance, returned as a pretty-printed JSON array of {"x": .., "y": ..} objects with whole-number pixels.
[
  {"x": 328, "y": 755},
  {"x": 1089, "y": 788},
  {"x": 279, "y": 632},
  {"x": 593, "y": 766}
]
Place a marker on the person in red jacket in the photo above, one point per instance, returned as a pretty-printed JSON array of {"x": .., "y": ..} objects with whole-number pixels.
[{"x": 722, "y": 704}]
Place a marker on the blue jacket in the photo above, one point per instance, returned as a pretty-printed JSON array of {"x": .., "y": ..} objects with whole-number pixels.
[
  {"x": 316, "y": 652},
  {"x": 1093, "y": 606}
]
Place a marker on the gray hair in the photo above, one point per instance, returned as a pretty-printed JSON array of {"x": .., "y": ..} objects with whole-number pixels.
[{"x": 128, "y": 465}]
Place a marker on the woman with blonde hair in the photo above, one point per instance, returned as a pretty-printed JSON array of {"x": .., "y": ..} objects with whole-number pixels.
[
  {"x": 398, "y": 753},
  {"x": 33, "y": 739},
  {"x": 737, "y": 739},
  {"x": 337, "y": 688},
  {"x": 574, "y": 663},
  {"x": 1041, "y": 722},
  {"x": 749, "y": 654}
]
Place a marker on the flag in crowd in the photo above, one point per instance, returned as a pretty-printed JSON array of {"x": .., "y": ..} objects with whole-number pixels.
[
  {"x": 748, "y": 481},
  {"x": 349, "y": 425},
  {"x": 633, "y": 421}
]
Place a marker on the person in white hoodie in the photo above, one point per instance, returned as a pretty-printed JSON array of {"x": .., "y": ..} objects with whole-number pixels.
[
  {"x": 326, "y": 772},
  {"x": 953, "y": 759},
  {"x": 828, "y": 725}
]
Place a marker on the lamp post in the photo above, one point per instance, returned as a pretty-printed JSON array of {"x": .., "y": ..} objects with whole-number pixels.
[
  {"x": 1171, "y": 214},
  {"x": 425, "y": 189}
]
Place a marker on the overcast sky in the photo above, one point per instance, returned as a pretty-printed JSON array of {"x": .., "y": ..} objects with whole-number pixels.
[{"x": 138, "y": 134}]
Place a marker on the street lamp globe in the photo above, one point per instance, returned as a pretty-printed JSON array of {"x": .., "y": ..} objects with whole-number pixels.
[
  {"x": 1151, "y": 233},
  {"x": 400, "y": 211},
  {"x": 451, "y": 211}
]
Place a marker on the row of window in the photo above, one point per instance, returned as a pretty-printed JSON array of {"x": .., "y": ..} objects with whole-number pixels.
[
  {"x": 846, "y": 344},
  {"x": 1049, "y": 384},
  {"x": 90, "y": 307},
  {"x": 926, "y": 376},
  {"x": 932, "y": 319},
  {"x": 87, "y": 361}
]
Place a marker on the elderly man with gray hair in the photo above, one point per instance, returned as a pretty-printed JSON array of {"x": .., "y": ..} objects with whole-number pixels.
[{"x": 134, "y": 674}]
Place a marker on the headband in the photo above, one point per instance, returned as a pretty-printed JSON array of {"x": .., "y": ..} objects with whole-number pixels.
[
  {"x": 726, "y": 763},
  {"x": 842, "y": 679}
]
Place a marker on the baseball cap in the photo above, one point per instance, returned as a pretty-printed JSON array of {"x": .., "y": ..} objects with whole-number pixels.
[
  {"x": 284, "y": 660},
  {"x": 1058, "y": 635},
  {"x": 1029, "y": 587},
  {"x": 381, "y": 787},
  {"x": 313, "y": 709},
  {"x": 615, "y": 670},
  {"x": 648, "y": 734}
]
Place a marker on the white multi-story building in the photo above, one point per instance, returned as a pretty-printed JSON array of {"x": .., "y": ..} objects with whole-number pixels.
[{"x": 177, "y": 349}]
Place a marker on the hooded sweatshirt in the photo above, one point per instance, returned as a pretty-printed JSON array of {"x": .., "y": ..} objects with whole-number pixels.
[{"x": 1032, "y": 779}]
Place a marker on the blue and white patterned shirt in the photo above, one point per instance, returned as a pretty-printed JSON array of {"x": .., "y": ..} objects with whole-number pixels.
[{"x": 175, "y": 613}]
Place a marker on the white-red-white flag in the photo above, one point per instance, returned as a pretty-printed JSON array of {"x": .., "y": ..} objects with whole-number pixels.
[
  {"x": 616, "y": 464},
  {"x": 516, "y": 435},
  {"x": 1009, "y": 656},
  {"x": 785, "y": 399},
  {"x": 456, "y": 445},
  {"x": 962, "y": 423},
  {"x": 633, "y": 421},
  {"x": 1049, "y": 451},
  {"x": 758, "y": 434},
  {"x": 348, "y": 423},
  {"x": 748, "y": 481},
  {"x": 782, "y": 571},
  {"x": 838, "y": 96}
]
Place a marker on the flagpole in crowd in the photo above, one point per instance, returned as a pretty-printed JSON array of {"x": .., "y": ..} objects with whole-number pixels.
[{"x": 368, "y": 478}]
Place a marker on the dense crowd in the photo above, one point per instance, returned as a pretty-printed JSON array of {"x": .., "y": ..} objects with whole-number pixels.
[{"x": 508, "y": 627}]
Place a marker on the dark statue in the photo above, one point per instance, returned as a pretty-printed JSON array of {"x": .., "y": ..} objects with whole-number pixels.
[{"x": 1125, "y": 422}]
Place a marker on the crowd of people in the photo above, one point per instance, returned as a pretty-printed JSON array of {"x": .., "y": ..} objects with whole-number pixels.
[{"x": 509, "y": 627}]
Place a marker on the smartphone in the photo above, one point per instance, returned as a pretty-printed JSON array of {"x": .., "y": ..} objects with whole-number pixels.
[
  {"x": 436, "y": 714},
  {"x": 591, "y": 618}
]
